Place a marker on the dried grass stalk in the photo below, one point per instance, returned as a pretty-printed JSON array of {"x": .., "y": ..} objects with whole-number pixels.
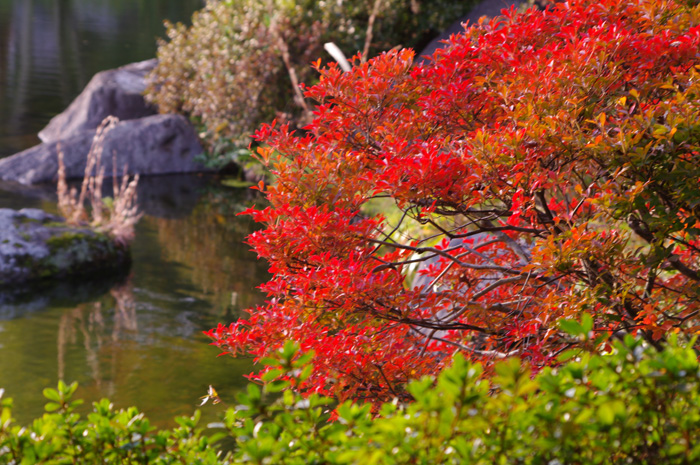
[{"x": 116, "y": 216}]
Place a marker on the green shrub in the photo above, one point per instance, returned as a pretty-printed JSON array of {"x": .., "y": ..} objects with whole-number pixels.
[
  {"x": 634, "y": 405},
  {"x": 237, "y": 66},
  {"x": 105, "y": 436}
]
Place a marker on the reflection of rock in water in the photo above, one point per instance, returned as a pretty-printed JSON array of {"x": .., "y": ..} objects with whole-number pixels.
[
  {"x": 18, "y": 302},
  {"x": 208, "y": 238},
  {"x": 172, "y": 196}
]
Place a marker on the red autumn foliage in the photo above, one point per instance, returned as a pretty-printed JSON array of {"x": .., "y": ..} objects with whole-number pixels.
[{"x": 541, "y": 167}]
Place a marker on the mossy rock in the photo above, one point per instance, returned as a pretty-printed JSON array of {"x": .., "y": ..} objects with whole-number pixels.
[{"x": 36, "y": 247}]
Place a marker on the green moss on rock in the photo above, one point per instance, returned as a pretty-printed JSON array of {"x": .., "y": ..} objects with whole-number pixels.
[
  {"x": 78, "y": 252},
  {"x": 45, "y": 248}
]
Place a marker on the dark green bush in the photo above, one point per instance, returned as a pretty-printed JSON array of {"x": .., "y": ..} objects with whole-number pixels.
[
  {"x": 634, "y": 405},
  {"x": 234, "y": 68}
]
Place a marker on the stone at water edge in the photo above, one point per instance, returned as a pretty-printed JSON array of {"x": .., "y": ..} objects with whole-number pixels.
[
  {"x": 114, "y": 92},
  {"x": 38, "y": 247},
  {"x": 144, "y": 141},
  {"x": 158, "y": 144}
]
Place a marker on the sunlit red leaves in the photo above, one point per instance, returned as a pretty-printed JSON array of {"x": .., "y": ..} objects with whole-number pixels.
[{"x": 551, "y": 161}]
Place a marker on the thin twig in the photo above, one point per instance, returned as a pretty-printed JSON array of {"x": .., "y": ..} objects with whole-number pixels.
[{"x": 370, "y": 27}]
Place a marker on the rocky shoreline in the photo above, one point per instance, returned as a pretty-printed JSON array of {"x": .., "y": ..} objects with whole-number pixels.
[{"x": 36, "y": 247}]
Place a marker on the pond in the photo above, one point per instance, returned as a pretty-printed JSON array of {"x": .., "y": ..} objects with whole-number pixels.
[{"x": 138, "y": 339}]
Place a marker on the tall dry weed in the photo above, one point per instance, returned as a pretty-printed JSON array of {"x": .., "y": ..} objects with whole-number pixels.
[{"x": 115, "y": 216}]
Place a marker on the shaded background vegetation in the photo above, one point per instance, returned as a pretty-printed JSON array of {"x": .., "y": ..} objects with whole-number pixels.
[{"x": 240, "y": 63}]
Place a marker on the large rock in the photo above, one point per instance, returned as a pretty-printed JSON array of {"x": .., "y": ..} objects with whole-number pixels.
[
  {"x": 158, "y": 144},
  {"x": 424, "y": 283},
  {"x": 37, "y": 247},
  {"x": 117, "y": 92}
]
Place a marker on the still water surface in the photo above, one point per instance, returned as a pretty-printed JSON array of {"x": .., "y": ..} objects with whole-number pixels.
[{"x": 137, "y": 340}]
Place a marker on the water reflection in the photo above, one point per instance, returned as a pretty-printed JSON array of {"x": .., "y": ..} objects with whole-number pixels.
[
  {"x": 139, "y": 340},
  {"x": 89, "y": 320},
  {"x": 211, "y": 246}
]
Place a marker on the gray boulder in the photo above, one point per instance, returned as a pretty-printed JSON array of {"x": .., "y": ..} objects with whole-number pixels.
[
  {"x": 117, "y": 92},
  {"x": 158, "y": 144},
  {"x": 37, "y": 247}
]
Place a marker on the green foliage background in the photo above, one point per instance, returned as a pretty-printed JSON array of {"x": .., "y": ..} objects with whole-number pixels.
[{"x": 227, "y": 73}]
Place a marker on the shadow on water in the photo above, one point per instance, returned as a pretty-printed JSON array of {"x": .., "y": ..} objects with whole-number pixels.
[{"x": 21, "y": 301}]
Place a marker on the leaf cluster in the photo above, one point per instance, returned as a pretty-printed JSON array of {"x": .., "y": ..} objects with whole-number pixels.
[
  {"x": 542, "y": 167},
  {"x": 105, "y": 435},
  {"x": 633, "y": 405}
]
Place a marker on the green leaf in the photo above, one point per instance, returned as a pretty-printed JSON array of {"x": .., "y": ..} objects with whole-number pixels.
[
  {"x": 277, "y": 386},
  {"x": 52, "y": 394},
  {"x": 586, "y": 324},
  {"x": 605, "y": 414},
  {"x": 271, "y": 375},
  {"x": 571, "y": 327},
  {"x": 52, "y": 406}
]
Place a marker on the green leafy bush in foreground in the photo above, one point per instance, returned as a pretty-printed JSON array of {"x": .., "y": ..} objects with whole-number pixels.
[{"x": 634, "y": 405}]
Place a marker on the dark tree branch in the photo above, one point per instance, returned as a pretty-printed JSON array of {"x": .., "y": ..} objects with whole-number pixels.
[{"x": 642, "y": 230}]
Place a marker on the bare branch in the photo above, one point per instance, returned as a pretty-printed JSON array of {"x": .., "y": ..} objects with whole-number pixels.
[
  {"x": 483, "y": 353},
  {"x": 642, "y": 230},
  {"x": 430, "y": 324},
  {"x": 442, "y": 253},
  {"x": 499, "y": 283},
  {"x": 370, "y": 27}
]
